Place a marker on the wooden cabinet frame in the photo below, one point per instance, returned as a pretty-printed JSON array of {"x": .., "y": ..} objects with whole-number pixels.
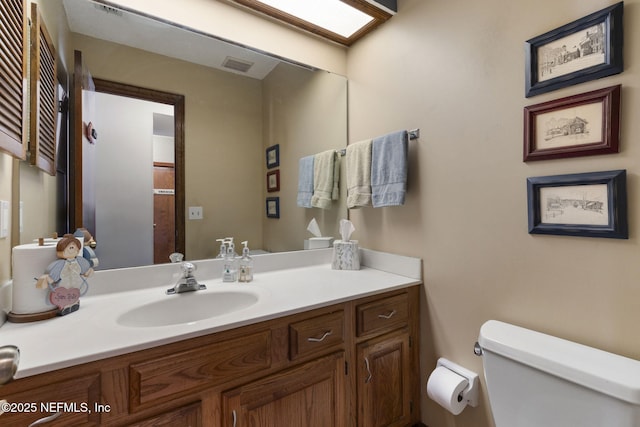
[
  {"x": 13, "y": 77},
  {"x": 44, "y": 96},
  {"x": 251, "y": 374}
]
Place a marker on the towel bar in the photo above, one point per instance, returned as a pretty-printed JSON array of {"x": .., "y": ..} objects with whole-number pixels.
[{"x": 413, "y": 134}]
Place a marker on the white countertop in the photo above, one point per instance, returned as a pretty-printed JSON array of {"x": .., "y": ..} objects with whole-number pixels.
[{"x": 92, "y": 332}]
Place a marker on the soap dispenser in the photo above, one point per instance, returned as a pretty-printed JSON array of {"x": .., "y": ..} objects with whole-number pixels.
[
  {"x": 245, "y": 271},
  {"x": 223, "y": 248},
  {"x": 230, "y": 269}
]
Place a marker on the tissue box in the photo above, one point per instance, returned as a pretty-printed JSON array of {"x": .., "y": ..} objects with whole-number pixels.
[
  {"x": 346, "y": 255},
  {"x": 318, "y": 242}
]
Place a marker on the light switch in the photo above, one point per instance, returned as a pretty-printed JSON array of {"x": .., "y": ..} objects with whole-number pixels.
[
  {"x": 4, "y": 219},
  {"x": 195, "y": 212}
]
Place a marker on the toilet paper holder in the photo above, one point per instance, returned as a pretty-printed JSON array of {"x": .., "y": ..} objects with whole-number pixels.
[{"x": 470, "y": 393}]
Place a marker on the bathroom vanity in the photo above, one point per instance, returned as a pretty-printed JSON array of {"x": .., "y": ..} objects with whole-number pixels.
[{"x": 319, "y": 347}]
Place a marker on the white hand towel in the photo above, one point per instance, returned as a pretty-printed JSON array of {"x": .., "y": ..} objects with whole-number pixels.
[
  {"x": 358, "y": 163},
  {"x": 325, "y": 182}
]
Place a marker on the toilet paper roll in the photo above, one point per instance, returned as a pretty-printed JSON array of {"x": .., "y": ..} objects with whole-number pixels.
[
  {"x": 30, "y": 261},
  {"x": 445, "y": 387}
]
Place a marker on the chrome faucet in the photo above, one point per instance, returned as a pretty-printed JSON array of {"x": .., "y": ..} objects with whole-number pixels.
[{"x": 187, "y": 282}]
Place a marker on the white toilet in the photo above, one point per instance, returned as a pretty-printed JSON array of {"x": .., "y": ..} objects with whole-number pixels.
[{"x": 537, "y": 380}]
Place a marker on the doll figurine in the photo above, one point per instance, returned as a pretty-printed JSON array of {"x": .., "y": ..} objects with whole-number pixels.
[{"x": 65, "y": 277}]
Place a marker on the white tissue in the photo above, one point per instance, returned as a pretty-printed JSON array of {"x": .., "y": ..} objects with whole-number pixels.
[
  {"x": 445, "y": 387},
  {"x": 313, "y": 228},
  {"x": 346, "y": 229}
]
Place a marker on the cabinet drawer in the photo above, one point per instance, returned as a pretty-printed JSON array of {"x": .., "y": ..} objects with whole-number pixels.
[
  {"x": 383, "y": 314},
  {"x": 186, "y": 416},
  {"x": 316, "y": 334},
  {"x": 75, "y": 399},
  {"x": 191, "y": 370}
]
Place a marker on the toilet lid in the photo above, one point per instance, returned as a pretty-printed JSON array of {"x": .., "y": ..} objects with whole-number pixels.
[{"x": 608, "y": 373}]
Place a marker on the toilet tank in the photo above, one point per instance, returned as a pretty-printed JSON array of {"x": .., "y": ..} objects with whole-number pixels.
[{"x": 536, "y": 380}]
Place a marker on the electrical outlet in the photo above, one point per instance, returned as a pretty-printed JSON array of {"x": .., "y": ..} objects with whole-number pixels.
[{"x": 195, "y": 212}]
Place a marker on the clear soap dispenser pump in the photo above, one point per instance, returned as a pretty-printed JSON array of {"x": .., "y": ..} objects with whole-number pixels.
[
  {"x": 223, "y": 248},
  {"x": 245, "y": 272},
  {"x": 230, "y": 270}
]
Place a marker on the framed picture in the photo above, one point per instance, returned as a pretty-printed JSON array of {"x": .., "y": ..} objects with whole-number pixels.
[
  {"x": 586, "y": 204},
  {"x": 273, "y": 156},
  {"x": 580, "y": 125},
  {"x": 273, "y": 180},
  {"x": 587, "y": 49},
  {"x": 273, "y": 207}
]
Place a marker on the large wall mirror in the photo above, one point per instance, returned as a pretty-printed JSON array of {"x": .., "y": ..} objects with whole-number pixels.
[{"x": 237, "y": 104}]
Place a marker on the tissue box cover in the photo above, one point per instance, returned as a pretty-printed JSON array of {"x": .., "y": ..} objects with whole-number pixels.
[
  {"x": 318, "y": 242},
  {"x": 346, "y": 255}
]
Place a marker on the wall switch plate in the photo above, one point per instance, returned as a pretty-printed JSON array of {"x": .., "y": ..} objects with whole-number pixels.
[
  {"x": 4, "y": 219},
  {"x": 195, "y": 212}
]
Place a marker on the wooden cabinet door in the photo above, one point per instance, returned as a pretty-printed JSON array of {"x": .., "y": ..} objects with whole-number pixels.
[
  {"x": 383, "y": 381},
  {"x": 309, "y": 395},
  {"x": 188, "y": 416}
]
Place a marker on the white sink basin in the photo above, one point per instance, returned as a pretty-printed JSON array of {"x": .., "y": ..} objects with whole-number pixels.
[{"x": 188, "y": 307}]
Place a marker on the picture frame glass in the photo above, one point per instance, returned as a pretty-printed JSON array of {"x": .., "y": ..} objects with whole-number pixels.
[
  {"x": 272, "y": 208},
  {"x": 271, "y": 157},
  {"x": 569, "y": 127},
  {"x": 572, "y": 53},
  {"x": 575, "y": 205}
]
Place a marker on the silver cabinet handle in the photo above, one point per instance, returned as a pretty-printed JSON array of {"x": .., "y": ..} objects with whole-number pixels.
[
  {"x": 45, "y": 419},
  {"x": 235, "y": 417},
  {"x": 387, "y": 316},
  {"x": 325, "y": 335},
  {"x": 369, "y": 376}
]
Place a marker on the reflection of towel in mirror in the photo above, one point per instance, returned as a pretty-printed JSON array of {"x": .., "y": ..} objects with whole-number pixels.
[
  {"x": 326, "y": 177},
  {"x": 305, "y": 181},
  {"x": 389, "y": 169},
  {"x": 358, "y": 164}
]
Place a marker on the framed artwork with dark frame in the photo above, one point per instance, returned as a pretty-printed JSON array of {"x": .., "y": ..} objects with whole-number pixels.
[
  {"x": 273, "y": 207},
  {"x": 586, "y": 204},
  {"x": 273, "y": 156},
  {"x": 579, "y": 125},
  {"x": 587, "y": 49},
  {"x": 273, "y": 181}
]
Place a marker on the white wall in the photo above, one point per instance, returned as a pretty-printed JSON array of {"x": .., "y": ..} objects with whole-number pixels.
[{"x": 124, "y": 180}]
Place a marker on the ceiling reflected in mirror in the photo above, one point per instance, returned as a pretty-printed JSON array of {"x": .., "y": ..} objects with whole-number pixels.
[{"x": 104, "y": 22}]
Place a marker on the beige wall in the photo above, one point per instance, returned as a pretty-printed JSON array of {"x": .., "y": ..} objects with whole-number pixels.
[
  {"x": 305, "y": 113},
  {"x": 222, "y": 133},
  {"x": 6, "y": 169},
  {"x": 455, "y": 69}
]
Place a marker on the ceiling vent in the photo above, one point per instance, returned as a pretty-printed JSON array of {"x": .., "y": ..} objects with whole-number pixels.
[
  {"x": 237, "y": 64},
  {"x": 108, "y": 9}
]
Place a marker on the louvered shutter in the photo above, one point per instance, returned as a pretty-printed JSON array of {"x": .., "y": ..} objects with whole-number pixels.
[
  {"x": 13, "y": 77},
  {"x": 44, "y": 102}
]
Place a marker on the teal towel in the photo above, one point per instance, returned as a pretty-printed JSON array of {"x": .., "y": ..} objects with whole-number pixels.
[
  {"x": 305, "y": 181},
  {"x": 389, "y": 169}
]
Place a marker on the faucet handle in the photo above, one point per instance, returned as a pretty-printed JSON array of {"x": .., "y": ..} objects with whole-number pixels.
[
  {"x": 188, "y": 268},
  {"x": 176, "y": 257}
]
